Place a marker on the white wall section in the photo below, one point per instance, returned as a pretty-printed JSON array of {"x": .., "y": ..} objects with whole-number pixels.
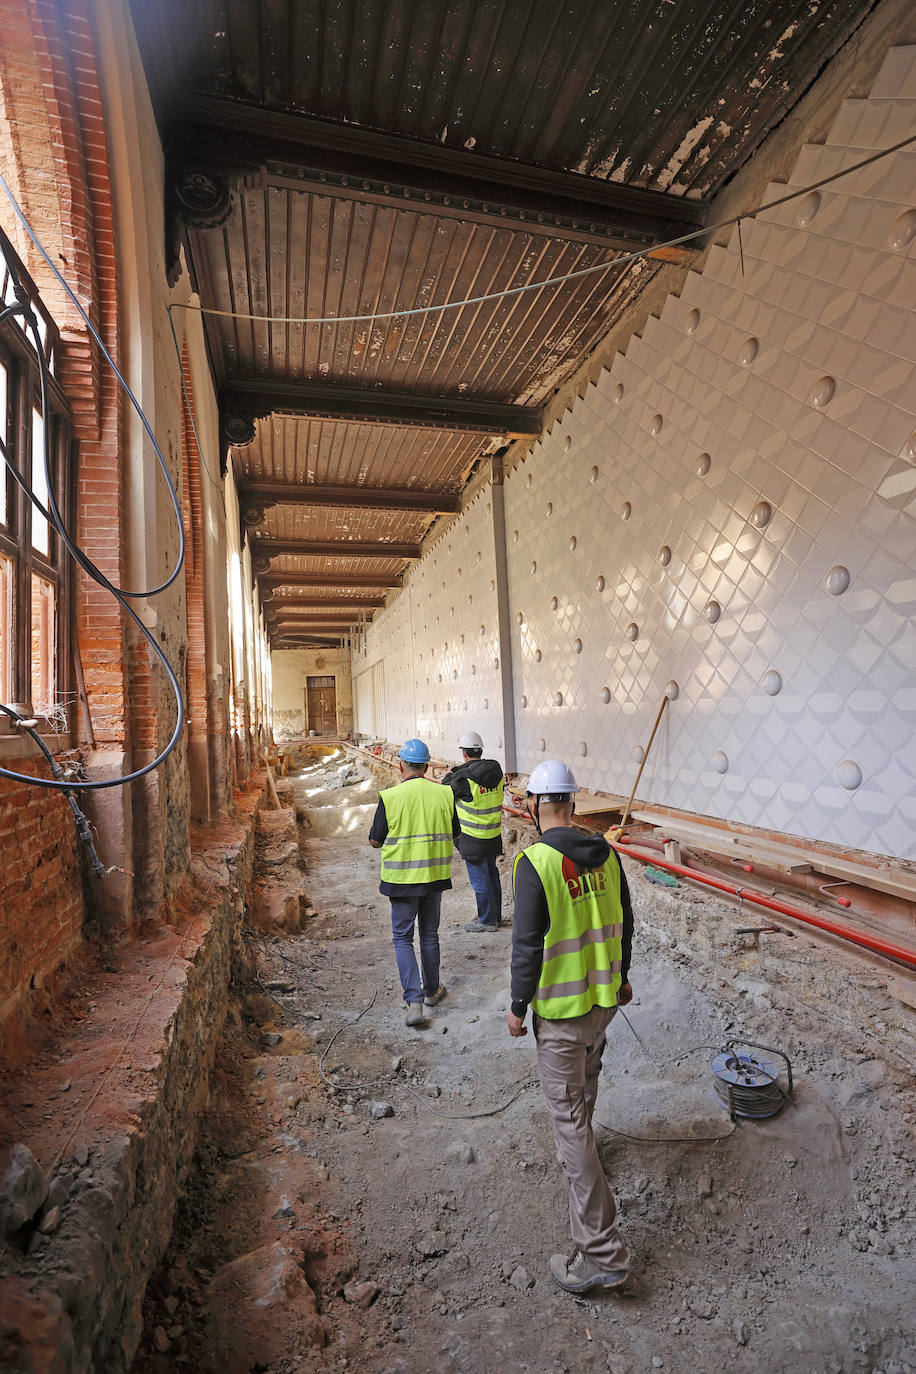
[
  {"x": 731, "y": 508},
  {"x": 439, "y": 641}
]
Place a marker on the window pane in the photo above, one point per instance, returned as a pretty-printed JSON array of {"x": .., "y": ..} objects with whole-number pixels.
[
  {"x": 7, "y": 580},
  {"x": 4, "y": 402},
  {"x": 40, "y": 532},
  {"x": 43, "y": 640}
]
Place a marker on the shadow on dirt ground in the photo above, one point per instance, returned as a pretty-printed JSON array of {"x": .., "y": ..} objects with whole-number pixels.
[{"x": 384, "y": 1200}]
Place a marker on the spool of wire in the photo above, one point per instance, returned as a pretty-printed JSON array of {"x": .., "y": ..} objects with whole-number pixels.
[{"x": 748, "y": 1084}]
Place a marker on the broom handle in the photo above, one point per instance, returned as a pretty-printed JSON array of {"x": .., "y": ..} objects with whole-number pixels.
[{"x": 658, "y": 719}]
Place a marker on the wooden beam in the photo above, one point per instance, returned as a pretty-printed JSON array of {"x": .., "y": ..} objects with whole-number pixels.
[
  {"x": 261, "y": 495},
  {"x": 341, "y": 548},
  {"x": 342, "y": 579},
  {"x": 307, "y": 154},
  {"x": 256, "y": 398}
]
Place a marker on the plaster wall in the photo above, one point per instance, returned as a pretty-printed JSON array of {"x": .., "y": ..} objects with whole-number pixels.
[
  {"x": 640, "y": 553},
  {"x": 435, "y": 649},
  {"x": 250, "y": 695},
  {"x": 290, "y": 668}
]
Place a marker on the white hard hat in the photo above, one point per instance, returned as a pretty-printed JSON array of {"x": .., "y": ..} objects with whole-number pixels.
[
  {"x": 551, "y": 778},
  {"x": 470, "y": 740}
]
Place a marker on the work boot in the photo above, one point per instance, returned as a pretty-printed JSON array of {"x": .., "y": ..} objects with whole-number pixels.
[
  {"x": 432, "y": 999},
  {"x": 415, "y": 1015},
  {"x": 579, "y": 1274},
  {"x": 482, "y": 927}
]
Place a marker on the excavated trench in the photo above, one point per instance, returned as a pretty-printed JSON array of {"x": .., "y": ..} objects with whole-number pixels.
[{"x": 368, "y": 1197}]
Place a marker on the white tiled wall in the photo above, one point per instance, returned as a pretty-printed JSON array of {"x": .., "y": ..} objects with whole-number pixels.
[
  {"x": 439, "y": 643},
  {"x": 755, "y": 448},
  {"x": 824, "y": 295}
]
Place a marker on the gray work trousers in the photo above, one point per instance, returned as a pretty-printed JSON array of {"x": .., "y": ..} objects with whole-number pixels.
[{"x": 569, "y": 1060}]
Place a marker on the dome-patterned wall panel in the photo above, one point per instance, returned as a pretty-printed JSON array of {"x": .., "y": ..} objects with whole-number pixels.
[
  {"x": 732, "y": 509},
  {"x": 439, "y": 640}
]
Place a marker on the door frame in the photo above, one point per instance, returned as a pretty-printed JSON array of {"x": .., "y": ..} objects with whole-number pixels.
[{"x": 305, "y": 692}]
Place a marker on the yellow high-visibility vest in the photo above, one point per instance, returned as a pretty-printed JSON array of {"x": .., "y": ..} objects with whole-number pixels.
[
  {"x": 583, "y": 948},
  {"x": 481, "y": 817},
  {"x": 418, "y": 846}
]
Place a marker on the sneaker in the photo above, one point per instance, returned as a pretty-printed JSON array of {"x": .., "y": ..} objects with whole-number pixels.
[
  {"x": 579, "y": 1274},
  {"x": 432, "y": 999},
  {"x": 482, "y": 928},
  {"x": 415, "y": 1015}
]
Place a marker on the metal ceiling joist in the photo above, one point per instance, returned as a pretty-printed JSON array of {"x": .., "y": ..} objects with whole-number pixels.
[
  {"x": 278, "y": 148},
  {"x": 259, "y": 495},
  {"x": 257, "y": 399},
  {"x": 341, "y": 548}
]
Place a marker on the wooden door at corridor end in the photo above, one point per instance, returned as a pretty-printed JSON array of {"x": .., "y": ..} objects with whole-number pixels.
[{"x": 321, "y": 705}]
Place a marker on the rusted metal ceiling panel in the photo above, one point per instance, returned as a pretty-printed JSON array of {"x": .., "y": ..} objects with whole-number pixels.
[
  {"x": 343, "y": 258},
  {"x": 646, "y": 92},
  {"x": 325, "y": 523},
  {"x": 327, "y": 452},
  {"x": 316, "y": 596},
  {"x": 338, "y": 565}
]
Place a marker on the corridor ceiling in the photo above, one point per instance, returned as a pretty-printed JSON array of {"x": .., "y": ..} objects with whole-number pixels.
[{"x": 352, "y": 157}]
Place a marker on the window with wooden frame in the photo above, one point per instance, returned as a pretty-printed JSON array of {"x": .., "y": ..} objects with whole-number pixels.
[{"x": 35, "y": 569}]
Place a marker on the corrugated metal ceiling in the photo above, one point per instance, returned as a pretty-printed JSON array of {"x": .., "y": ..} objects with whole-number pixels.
[
  {"x": 361, "y": 259},
  {"x": 328, "y": 452},
  {"x": 657, "y": 93},
  {"x": 668, "y": 95}
]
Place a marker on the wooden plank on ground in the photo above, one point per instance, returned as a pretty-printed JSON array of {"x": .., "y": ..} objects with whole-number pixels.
[
  {"x": 727, "y": 843},
  {"x": 903, "y": 989},
  {"x": 788, "y": 860},
  {"x": 586, "y": 803}
]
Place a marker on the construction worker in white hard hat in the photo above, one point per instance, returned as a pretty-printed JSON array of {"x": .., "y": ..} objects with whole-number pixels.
[
  {"x": 478, "y": 785},
  {"x": 415, "y": 827},
  {"x": 571, "y": 942}
]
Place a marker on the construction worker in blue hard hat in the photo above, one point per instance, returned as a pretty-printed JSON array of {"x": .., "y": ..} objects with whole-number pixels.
[
  {"x": 478, "y": 786},
  {"x": 415, "y": 827},
  {"x": 571, "y": 942}
]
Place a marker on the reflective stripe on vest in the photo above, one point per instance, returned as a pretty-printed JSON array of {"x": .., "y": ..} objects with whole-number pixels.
[
  {"x": 482, "y": 816},
  {"x": 583, "y": 948},
  {"x": 418, "y": 846}
]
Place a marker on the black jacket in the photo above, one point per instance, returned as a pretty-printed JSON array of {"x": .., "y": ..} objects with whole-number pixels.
[
  {"x": 532, "y": 919},
  {"x": 486, "y": 773}
]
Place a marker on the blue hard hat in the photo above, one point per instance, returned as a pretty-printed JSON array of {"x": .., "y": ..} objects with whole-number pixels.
[{"x": 414, "y": 751}]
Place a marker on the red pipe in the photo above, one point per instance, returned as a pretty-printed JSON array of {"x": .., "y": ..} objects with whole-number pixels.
[{"x": 869, "y": 942}]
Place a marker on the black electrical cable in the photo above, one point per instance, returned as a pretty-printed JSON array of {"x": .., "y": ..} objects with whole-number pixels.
[
  {"x": 666, "y": 1139},
  {"x": 53, "y": 516},
  {"x": 61, "y": 280},
  {"x": 82, "y": 823}
]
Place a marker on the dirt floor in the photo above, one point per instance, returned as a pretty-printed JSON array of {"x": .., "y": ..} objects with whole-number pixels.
[{"x": 385, "y": 1200}]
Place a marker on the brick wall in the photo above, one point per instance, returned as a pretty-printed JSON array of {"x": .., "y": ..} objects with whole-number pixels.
[
  {"x": 53, "y": 149},
  {"x": 41, "y": 898}
]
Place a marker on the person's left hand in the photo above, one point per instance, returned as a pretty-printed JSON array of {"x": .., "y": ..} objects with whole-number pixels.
[
  {"x": 516, "y": 1025},
  {"x": 624, "y": 995}
]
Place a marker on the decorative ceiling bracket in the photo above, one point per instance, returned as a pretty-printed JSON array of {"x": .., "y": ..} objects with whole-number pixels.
[
  {"x": 197, "y": 197},
  {"x": 236, "y": 430}
]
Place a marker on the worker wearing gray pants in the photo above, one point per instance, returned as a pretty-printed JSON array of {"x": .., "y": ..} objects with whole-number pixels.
[{"x": 571, "y": 942}]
